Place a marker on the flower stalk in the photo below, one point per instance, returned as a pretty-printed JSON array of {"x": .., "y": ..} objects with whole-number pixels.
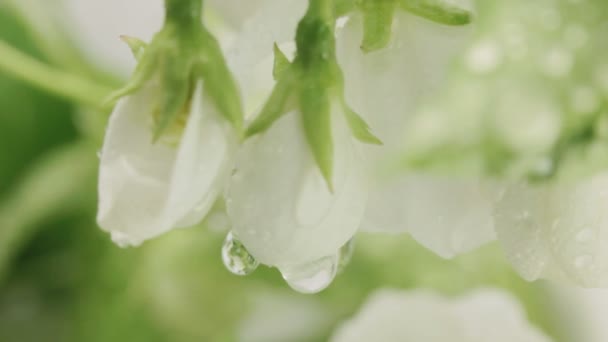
[
  {"x": 184, "y": 12},
  {"x": 61, "y": 83}
]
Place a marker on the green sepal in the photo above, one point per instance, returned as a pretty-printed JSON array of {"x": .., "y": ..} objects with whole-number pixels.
[
  {"x": 220, "y": 85},
  {"x": 377, "y": 23},
  {"x": 344, "y": 7},
  {"x": 174, "y": 96},
  {"x": 136, "y": 45},
  {"x": 281, "y": 63},
  {"x": 274, "y": 108},
  {"x": 439, "y": 11},
  {"x": 143, "y": 72},
  {"x": 316, "y": 117},
  {"x": 359, "y": 127}
]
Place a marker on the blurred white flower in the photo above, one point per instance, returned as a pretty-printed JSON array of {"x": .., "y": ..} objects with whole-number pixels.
[
  {"x": 280, "y": 205},
  {"x": 484, "y": 315},
  {"x": 279, "y": 317},
  {"x": 146, "y": 188},
  {"x": 557, "y": 231},
  {"x": 583, "y": 312},
  {"x": 445, "y": 214}
]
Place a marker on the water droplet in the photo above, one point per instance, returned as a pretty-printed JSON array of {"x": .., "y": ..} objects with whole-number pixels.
[
  {"x": 311, "y": 277},
  {"x": 583, "y": 261},
  {"x": 236, "y": 258},
  {"x": 584, "y": 235},
  {"x": 346, "y": 255}
]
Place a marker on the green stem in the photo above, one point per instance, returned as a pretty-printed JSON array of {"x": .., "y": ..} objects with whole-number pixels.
[
  {"x": 22, "y": 66},
  {"x": 184, "y": 12},
  {"x": 321, "y": 8}
]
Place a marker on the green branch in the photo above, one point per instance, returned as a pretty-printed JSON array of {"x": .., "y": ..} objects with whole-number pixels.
[{"x": 23, "y": 67}]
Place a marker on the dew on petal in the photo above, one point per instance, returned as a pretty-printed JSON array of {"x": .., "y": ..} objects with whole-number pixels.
[
  {"x": 312, "y": 277},
  {"x": 236, "y": 258}
]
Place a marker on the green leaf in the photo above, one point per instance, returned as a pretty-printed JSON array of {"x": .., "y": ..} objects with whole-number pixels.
[
  {"x": 281, "y": 63},
  {"x": 136, "y": 45},
  {"x": 316, "y": 115},
  {"x": 360, "y": 128},
  {"x": 377, "y": 23},
  {"x": 440, "y": 11},
  {"x": 274, "y": 107}
]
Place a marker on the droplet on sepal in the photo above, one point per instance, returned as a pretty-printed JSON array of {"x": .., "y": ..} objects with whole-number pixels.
[
  {"x": 236, "y": 258},
  {"x": 312, "y": 277},
  {"x": 346, "y": 255}
]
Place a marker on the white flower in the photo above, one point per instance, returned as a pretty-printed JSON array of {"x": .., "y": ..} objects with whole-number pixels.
[
  {"x": 280, "y": 204},
  {"x": 485, "y": 315},
  {"x": 557, "y": 231},
  {"x": 446, "y": 215},
  {"x": 146, "y": 188}
]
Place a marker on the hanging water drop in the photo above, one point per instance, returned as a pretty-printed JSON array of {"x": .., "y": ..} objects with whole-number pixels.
[
  {"x": 312, "y": 277},
  {"x": 346, "y": 255},
  {"x": 236, "y": 258}
]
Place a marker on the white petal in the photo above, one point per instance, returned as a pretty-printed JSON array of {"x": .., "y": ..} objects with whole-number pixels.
[
  {"x": 447, "y": 215},
  {"x": 235, "y": 12},
  {"x": 204, "y": 160},
  {"x": 147, "y": 189},
  {"x": 98, "y": 25},
  {"x": 278, "y": 202},
  {"x": 485, "y": 315},
  {"x": 251, "y": 56},
  {"x": 587, "y": 310},
  {"x": 277, "y": 316},
  {"x": 558, "y": 231},
  {"x": 411, "y": 67}
]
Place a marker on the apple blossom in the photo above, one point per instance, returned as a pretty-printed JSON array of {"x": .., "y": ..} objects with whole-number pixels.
[{"x": 170, "y": 142}]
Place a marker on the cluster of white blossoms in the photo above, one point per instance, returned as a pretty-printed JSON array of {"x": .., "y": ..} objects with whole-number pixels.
[
  {"x": 484, "y": 315},
  {"x": 481, "y": 315},
  {"x": 302, "y": 165}
]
